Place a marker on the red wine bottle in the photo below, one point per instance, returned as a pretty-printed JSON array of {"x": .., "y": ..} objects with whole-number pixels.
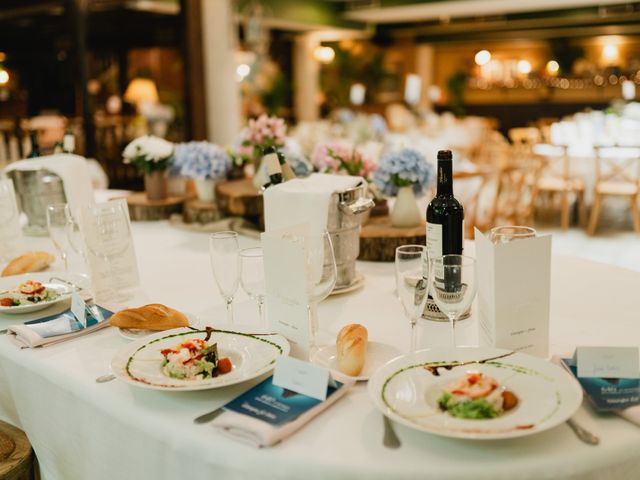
[{"x": 445, "y": 215}]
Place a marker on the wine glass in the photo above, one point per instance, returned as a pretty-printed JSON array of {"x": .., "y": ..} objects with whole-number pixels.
[
  {"x": 452, "y": 285},
  {"x": 225, "y": 262},
  {"x": 506, "y": 234},
  {"x": 252, "y": 277},
  {"x": 58, "y": 216},
  {"x": 321, "y": 274},
  {"x": 107, "y": 234},
  {"x": 411, "y": 283}
]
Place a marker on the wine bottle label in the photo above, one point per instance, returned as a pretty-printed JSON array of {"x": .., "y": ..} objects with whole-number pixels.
[{"x": 434, "y": 249}]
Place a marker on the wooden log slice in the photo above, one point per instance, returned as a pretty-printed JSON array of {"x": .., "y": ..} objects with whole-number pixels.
[
  {"x": 379, "y": 240},
  {"x": 239, "y": 198},
  {"x": 143, "y": 209},
  {"x": 16, "y": 455},
  {"x": 196, "y": 211}
]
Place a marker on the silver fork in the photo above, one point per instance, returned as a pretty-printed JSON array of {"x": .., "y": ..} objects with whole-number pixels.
[
  {"x": 582, "y": 433},
  {"x": 390, "y": 439}
]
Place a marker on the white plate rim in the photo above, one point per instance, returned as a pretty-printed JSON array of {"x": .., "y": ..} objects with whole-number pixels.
[
  {"x": 122, "y": 356},
  {"x": 395, "y": 364},
  {"x": 331, "y": 348}
]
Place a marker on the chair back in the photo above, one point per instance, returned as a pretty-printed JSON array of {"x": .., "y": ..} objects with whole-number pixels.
[{"x": 620, "y": 165}]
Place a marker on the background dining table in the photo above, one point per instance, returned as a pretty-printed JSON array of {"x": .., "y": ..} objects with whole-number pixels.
[{"x": 81, "y": 429}]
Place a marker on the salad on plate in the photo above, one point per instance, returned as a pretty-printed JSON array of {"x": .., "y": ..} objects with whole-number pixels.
[
  {"x": 194, "y": 359},
  {"x": 30, "y": 292}
]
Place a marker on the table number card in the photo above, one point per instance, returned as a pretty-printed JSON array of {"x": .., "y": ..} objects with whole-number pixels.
[
  {"x": 10, "y": 232},
  {"x": 607, "y": 362},
  {"x": 110, "y": 250},
  {"x": 285, "y": 278},
  {"x": 513, "y": 293},
  {"x": 302, "y": 377}
]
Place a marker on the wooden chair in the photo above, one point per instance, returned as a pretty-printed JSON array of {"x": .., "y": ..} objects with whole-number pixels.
[
  {"x": 617, "y": 174},
  {"x": 556, "y": 180},
  {"x": 524, "y": 137}
]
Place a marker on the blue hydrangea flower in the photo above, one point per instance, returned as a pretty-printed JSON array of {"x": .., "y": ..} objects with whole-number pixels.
[
  {"x": 406, "y": 167},
  {"x": 201, "y": 160}
]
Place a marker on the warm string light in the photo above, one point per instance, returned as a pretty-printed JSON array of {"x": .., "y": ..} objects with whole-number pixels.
[
  {"x": 482, "y": 57},
  {"x": 324, "y": 54}
]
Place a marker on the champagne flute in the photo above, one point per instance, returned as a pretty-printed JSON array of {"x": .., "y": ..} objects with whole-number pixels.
[
  {"x": 225, "y": 262},
  {"x": 411, "y": 283},
  {"x": 506, "y": 234},
  {"x": 252, "y": 277},
  {"x": 58, "y": 225},
  {"x": 452, "y": 285}
]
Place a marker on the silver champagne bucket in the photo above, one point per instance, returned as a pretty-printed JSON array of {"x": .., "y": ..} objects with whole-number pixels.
[
  {"x": 346, "y": 212},
  {"x": 35, "y": 190}
]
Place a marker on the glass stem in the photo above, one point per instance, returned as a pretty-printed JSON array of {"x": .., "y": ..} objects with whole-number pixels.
[
  {"x": 229, "y": 301},
  {"x": 412, "y": 346},
  {"x": 263, "y": 320},
  {"x": 452, "y": 321},
  {"x": 66, "y": 262}
]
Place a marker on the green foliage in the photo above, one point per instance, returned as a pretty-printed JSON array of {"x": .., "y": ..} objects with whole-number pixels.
[{"x": 456, "y": 86}]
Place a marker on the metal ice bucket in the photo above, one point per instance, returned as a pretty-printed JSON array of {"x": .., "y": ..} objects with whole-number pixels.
[
  {"x": 346, "y": 212},
  {"x": 35, "y": 190}
]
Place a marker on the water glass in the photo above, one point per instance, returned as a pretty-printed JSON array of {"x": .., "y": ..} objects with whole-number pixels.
[
  {"x": 252, "y": 277},
  {"x": 411, "y": 283},
  {"x": 58, "y": 224},
  {"x": 506, "y": 234},
  {"x": 225, "y": 262},
  {"x": 452, "y": 285}
]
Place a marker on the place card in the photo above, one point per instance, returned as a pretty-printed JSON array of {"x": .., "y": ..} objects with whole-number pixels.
[
  {"x": 607, "y": 362},
  {"x": 79, "y": 309},
  {"x": 302, "y": 377},
  {"x": 10, "y": 232},
  {"x": 513, "y": 293},
  {"x": 111, "y": 256},
  {"x": 287, "y": 298}
]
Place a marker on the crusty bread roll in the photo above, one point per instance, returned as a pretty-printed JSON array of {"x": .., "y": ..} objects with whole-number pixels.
[
  {"x": 351, "y": 347},
  {"x": 27, "y": 263},
  {"x": 150, "y": 317}
]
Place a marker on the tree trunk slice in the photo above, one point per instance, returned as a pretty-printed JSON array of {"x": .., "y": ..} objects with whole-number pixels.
[
  {"x": 143, "y": 209},
  {"x": 196, "y": 211},
  {"x": 239, "y": 198},
  {"x": 379, "y": 240},
  {"x": 16, "y": 455}
]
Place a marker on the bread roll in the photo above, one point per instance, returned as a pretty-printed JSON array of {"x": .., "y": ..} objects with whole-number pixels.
[
  {"x": 27, "y": 263},
  {"x": 351, "y": 347},
  {"x": 150, "y": 317}
]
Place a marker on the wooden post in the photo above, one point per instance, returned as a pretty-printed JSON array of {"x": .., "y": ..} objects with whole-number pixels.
[{"x": 191, "y": 12}]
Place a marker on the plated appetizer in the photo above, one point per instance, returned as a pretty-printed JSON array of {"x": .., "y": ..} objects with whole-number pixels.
[
  {"x": 194, "y": 359},
  {"x": 28, "y": 293},
  {"x": 476, "y": 396}
]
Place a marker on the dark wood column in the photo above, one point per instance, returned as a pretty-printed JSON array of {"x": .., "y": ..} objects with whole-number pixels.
[{"x": 191, "y": 12}]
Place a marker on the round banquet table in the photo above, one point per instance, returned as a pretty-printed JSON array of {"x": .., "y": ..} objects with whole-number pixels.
[{"x": 84, "y": 430}]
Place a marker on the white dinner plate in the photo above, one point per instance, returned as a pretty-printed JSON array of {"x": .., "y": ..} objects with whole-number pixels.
[
  {"x": 48, "y": 279},
  {"x": 407, "y": 392},
  {"x": 140, "y": 362},
  {"x": 377, "y": 355}
]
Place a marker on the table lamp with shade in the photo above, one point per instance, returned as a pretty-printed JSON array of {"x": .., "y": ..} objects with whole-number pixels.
[{"x": 140, "y": 91}]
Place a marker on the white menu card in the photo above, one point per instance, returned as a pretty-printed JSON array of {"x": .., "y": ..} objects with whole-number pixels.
[
  {"x": 513, "y": 293},
  {"x": 286, "y": 286},
  {"x": 10, "y": 233},
  {"x": 110, "y": 251}
]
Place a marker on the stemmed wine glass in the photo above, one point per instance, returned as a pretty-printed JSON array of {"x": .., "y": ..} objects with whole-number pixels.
[
  {"x": 225, "y": 262},
  {"x": 107, "y": 235},
  {"x": 411, "y": 283},
  {"x": 58, "y": 218},
  {"x": 321, "y": 274},
  {"x": 252, "y": 277},
  {"x": 506, "y": 234},
  {"x": 452, "y": 285}
]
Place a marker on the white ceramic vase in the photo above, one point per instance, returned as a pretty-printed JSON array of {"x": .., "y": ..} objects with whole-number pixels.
[
  {"x": 405, "y": 213},
  {"x": 205, "y": 189}
]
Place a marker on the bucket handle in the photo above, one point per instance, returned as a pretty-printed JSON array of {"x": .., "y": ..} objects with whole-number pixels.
[{"x": 360, "y": 205}]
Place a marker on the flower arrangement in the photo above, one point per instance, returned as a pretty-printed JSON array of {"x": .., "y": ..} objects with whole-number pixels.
[
  {"x": 201, "y": 160},
  {"x": 403, "y": 168},
  {"x": 260, "y": 133},
  {"x": 148, "y": 153},
  {"x": 342, "y": 159}
]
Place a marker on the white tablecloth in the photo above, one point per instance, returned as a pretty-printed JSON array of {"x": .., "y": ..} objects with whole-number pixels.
[{"x": 84, "y": 430}]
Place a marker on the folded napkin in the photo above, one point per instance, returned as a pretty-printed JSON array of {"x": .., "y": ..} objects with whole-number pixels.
[
  {"x": 304, "y": 200},
  {"x": 57, "y": 328},
  {"x": 631, "y": 414},
  {"x": 266, "y": 414}
]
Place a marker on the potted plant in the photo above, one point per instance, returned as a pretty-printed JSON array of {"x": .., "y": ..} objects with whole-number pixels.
[
  {"x": 151, "y": 156},
  {"x": 404, "y": 174},
  {"x": 206, "y": 163}
]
